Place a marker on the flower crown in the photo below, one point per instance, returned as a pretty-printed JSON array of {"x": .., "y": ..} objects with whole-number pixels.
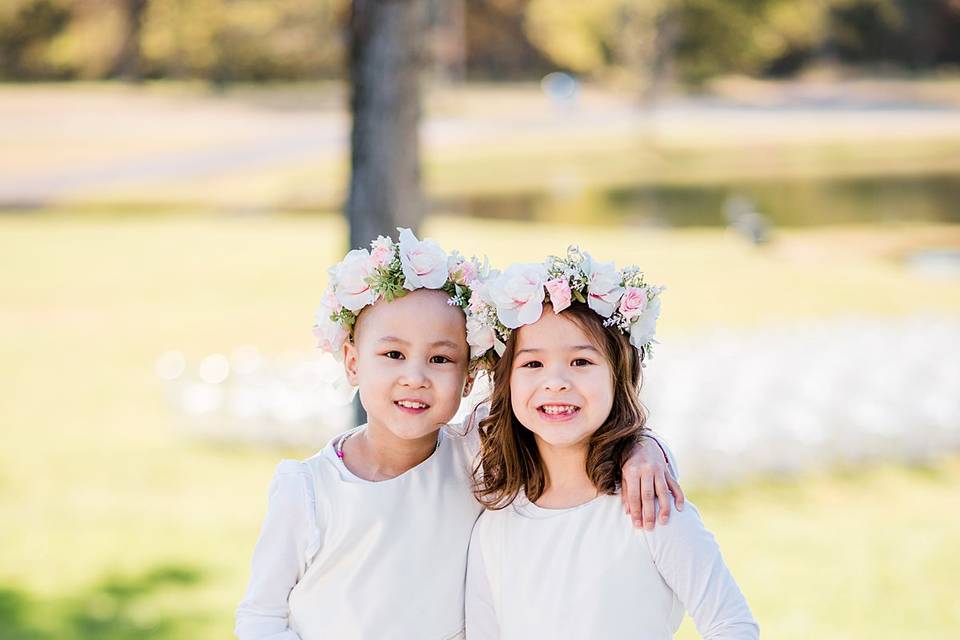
[
  {"x": 506, "y": 301},
  {"x": 389, "y": 270}
]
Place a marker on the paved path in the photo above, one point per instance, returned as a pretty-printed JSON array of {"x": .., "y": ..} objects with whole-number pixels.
[{"x": 61, "y": 142}]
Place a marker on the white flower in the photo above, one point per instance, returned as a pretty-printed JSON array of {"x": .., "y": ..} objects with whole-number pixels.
[
  {"x": 603, "y": 286},
  {"x": 424, "y": 263},
  {"x": 644, "y": 328},
  {"x": 480, "y": 337},
  {"x": 350, "y": 280},
  {"x": 330, "y": 334},
  {"x": 518, "y": 294}
]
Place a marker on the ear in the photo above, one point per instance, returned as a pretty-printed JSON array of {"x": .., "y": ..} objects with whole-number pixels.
[
  {"x": 468, "y": 383},
  {"x": 350, "y": 361}
]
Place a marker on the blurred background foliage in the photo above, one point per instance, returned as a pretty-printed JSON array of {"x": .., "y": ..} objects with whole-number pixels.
[{"x": 636, "y": 42}]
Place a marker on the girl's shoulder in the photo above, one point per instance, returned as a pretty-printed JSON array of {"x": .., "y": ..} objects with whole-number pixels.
[
  {"x": 292, "y": 484},
  {"x": 466, "y": 434}
]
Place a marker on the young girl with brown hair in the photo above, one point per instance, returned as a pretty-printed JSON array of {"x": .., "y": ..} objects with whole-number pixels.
[{"x": 552, "y": 557}]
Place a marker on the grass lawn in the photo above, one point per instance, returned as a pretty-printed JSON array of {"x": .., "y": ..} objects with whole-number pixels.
[{"x": 118, "y": 525}]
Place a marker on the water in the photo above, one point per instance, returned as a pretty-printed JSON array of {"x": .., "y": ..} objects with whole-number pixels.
[{"x": 799, "y": 202}]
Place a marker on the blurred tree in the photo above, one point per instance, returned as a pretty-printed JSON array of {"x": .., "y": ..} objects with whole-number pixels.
[
  {"x": 646, "y": 42},
  {"x": 497, "y": 43},
  {"x": 128, "y": 62},
  {"x": 386, "y": 60},
  {"x": 608, "y": 38},
  {"x": 26, "y": 29}
]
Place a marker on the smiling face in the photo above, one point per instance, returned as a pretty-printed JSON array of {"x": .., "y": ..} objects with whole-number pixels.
[
  {"x": 409, "y": 357},
  {"x": 561, "y": 383}
]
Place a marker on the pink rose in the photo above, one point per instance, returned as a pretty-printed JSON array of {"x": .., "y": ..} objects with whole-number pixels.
[
  {"x": 423, "y": 262},
  {"x": 350, "y": 280},
  {"x": 633, "y": 302},
  {"x": 463, "y": 271},
  {"x": 382, "y": 252},
  {"x": 559, "y": 290}
]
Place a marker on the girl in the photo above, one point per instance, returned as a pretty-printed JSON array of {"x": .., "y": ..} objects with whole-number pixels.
[
  {"x": 552, "y": 558},
  {"x": 368, "y": 538}
]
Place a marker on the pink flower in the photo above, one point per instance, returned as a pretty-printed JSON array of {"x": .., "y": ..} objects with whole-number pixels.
[
  {"x": 462, "y": 271},
  {"x": 480, "y": 297},
  {"x": 423, "y": 262},
  {"x": 518, "y": 294},
  {"x": 559, "y": 290},
  {"x": 382, "y": 251},
  {"x": 603, "y": 286},
  {"x": 633, "y": 302},
  {"x": 330, "y": 335},
  {"x": 350, "y": 280}
]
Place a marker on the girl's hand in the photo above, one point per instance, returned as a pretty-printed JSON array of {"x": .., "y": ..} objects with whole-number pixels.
[{"x": 646, "y": 475}]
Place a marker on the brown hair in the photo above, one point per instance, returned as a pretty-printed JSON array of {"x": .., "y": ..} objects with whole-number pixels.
[{"x": 509, "y": 459}]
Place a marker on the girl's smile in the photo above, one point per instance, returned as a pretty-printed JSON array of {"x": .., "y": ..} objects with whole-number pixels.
[
  {"x": 557, "y": 412},
  {"x": 561, "y": 385},
  {"x": 409, "y": 357},
  {"x": 414, "y": 407}
]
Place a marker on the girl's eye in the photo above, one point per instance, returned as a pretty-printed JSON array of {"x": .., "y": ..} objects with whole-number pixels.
[
  {"x": 394, "y": 355},
  {"x": 581, "y": 362},
  {"x": 440, "y": 360},
  {"x": 533, "y": 364}
]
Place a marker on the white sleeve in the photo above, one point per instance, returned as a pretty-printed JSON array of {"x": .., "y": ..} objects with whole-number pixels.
[
  {"x": 480, "y": 616},
  {"x": 688, "y": 557},
  {"x": 289, "y": 539}
]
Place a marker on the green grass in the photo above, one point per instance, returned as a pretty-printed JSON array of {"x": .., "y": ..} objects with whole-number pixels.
[{"x": 117, "y": 524}]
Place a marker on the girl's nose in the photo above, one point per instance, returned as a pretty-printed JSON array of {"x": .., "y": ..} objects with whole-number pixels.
[
  {"x": 415, "y": 377},
  {"x": 556, "y": 382}
]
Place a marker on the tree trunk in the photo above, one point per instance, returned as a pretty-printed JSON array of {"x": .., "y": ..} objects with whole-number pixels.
[
  {"x": 127, "y": 65},
  {"x": 386, "y": 59}
]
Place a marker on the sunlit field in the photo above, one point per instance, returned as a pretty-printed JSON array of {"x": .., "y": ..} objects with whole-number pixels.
[{"x": 119, "y": 524}]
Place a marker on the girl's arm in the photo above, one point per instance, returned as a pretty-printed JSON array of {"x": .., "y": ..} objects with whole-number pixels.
[
  {"x": 650, "y": 473},
  {"x": 688, "y": 557},
  {"x": 289, "y": 537},
  {"x": 479, "y": 613}
]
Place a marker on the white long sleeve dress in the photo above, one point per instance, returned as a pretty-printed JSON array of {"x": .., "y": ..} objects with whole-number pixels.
[
  {"x": 585, "y": 572},
  {"x": 342, "y": 557}
]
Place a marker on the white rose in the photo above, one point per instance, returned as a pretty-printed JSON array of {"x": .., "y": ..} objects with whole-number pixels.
[
  {"x": 518, "y": 294},
  {"x": 424, "y": 263},
  {"x": 350, "y": 280},
  {"x": 644, "y": 328},
  {"x": 603, "y": 286},
  {"x": 479, "y": 337},
  {"x": 329, "y": 334}
]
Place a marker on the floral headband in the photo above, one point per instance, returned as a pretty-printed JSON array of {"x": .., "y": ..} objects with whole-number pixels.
[
  {"x": 389, "y": 270},
  {"x": 506, "y": 301}
]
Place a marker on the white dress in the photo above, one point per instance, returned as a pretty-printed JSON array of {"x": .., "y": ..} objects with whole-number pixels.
[
  {"x": 342, "y": 557},
  {"x": 585, "y": 572}
]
